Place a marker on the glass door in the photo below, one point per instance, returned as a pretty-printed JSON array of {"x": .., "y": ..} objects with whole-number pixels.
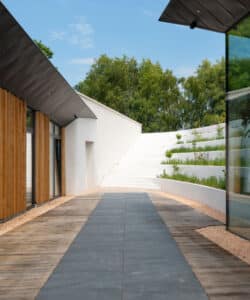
[
  {"x": 29, "y": 158},
  {"x": 55, "y": 161}
]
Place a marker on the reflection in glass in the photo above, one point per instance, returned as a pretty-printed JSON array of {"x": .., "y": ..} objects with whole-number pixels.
[
  {"x": 57, "y": 167},
  {"x": 51, "y": 167},
  {"x": 238, "y": 78},
  {"x": 239, "y": 56},
  {"x": 28, "y": 169},
  {"x": 239, "y": 164},
  {"x": 29, "y": 158},
  {"x": 55, "y": 161}
]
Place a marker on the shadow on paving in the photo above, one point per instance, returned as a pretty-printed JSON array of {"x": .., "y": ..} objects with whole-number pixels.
[{"x": 123, "y": 252}]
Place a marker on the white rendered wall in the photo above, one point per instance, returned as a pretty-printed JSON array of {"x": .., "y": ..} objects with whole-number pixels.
[
  {"x": 214, "y": 198},
  {"x": 115, "y": 134},
  {"x": 95, "y": 146},
  {"x": 77, "y": 134}
]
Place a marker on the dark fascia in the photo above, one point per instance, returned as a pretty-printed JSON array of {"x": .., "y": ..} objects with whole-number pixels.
[
  {"x": 27, "y": 73},
  {"x": 214, "y": 15}
]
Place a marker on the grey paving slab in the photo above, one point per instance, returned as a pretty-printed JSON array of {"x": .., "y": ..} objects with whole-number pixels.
[{"x": 123, "y": 252}]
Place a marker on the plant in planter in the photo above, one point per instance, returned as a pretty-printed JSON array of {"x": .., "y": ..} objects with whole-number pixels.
[
  {"x": 178, "y": 137},
  {"x": 176, "y": 168},
  {"x": 220, "y": 132},
  {"x": 169, "y": 154}
]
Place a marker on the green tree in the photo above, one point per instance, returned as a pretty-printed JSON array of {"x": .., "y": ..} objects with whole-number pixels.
[
  {"x": 45, "y": 49},
  {"x": 155, "y": 97},
  {"x": 142, "y": 91},
  {"x": 205, "y": 95}
]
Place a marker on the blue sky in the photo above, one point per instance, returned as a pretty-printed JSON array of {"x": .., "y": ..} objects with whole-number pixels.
[{"x": 78, "y": 31}]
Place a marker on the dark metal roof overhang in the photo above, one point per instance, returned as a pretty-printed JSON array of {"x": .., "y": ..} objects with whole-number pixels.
[
  {"x": 215, "y": 15},
  {"x": 27, "y": 73}
]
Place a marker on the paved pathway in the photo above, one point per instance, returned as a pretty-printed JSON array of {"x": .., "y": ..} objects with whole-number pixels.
[{"x": 124, "y": 252}]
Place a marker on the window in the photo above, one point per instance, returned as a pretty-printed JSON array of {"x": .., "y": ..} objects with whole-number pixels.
[
  {"x": 29, "y": 157},
  {"x": 55, "y": 161},
  {"x": 238, "y": 124}
]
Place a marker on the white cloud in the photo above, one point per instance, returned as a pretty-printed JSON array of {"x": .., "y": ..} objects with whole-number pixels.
[
  {"x": 79, "y": 33},
  {"x": 83, "y": 61},
  {"x": 149, "y": 13},
  {"x": 185, "y": 71},
  {"x": 57, "y": 35}
]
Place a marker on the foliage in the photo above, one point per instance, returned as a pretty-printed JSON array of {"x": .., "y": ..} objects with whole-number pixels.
[
  {"x": 239, "y": 75},
  {"x": 168, "y": 154},
  {"x": 176, "y": 168},
  {"x": 45, "y": 49},
  {"x": 212, "y": 181},
  {"x": 205, "y": 95},
  {"x": 206, "y": 139},
  {"x": 220, "y": 132},
  {"x": 178, "y": 136},
  {"x": 198, "y": 149},
  {"x": 155, "y": 97},
  {"x": 200, "y": 161}
]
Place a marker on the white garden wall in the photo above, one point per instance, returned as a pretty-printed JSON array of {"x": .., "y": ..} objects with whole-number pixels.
[
  {"x": 211, "y": 197},
  {"x": 211, "y": 155},
  {"x": 95, "y": 146},
  {"x": 77, "y": 135},
  {"x": 196, "y": 170},
  {"x": 115, "y": 134}
]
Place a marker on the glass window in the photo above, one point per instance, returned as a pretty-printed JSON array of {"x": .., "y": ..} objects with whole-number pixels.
[
  {"x": 55, "y": 161},
  {"x": 239, "y": 56},
  {"x": 29, "y": 158},
  {"x": 238, "y": 164}
]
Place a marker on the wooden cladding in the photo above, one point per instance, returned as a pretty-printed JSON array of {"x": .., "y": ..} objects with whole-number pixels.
[
  {"x": 42, "y": 174},
  {"x": 12, "y": 155}
]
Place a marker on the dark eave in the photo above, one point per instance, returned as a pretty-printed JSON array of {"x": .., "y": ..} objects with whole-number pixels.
[
  {"x": 215, "y": 15},
  {"x": 27, "y": 73}
]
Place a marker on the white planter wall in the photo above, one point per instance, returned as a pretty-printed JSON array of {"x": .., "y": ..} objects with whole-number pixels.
[
  {"x": 211, "y": 155},
  {"x": 211, "y": 197},
  {"x": 198, "y": 171}
]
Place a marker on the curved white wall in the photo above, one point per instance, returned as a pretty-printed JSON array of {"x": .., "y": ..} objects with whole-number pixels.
[
  {"x": 115, "y": 134},
  {"x": 104, "y": 141},
  {"x": 211, "y": 197}
]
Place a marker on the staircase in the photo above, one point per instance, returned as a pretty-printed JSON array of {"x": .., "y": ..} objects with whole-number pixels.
[{"x": 141, "y": 165}]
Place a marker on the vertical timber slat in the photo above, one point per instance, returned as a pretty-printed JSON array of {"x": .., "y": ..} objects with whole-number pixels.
[
  {"x": 41, "y": 158},
  {"x": 12, "y": 155}
]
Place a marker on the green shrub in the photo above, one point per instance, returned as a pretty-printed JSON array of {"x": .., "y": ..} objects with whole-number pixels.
[
  {"x": 211, "y": 181},
  {"x": 178, "y": 136},
  {"x": 198, "y": 149},
  {"x": 220, "y": 132},
  {"x": 197, "y": 135},
  {"x": 169, "y": 154},
  {"x": 176, "y": 168},
  {"x": 201, "y": 161}
]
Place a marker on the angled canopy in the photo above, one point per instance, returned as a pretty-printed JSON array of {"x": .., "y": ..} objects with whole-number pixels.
[
  {"x": 28, "y": 74},
  {"x": 215, "y": 15}
]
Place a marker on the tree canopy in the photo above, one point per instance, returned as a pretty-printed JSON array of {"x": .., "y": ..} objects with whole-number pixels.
[
  {"x": 45, "y": 49},
  {"x": 156, "y": 97}
]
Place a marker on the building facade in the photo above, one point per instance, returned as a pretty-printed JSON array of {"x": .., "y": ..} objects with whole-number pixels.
[
  {"x": 51, "y": 142},
  {"x": 232, "y": 18}
]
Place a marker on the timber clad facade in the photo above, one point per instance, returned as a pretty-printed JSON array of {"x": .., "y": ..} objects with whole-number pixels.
[
  {"x": 41, "y": 158},
  {"x": 12, "y": 155},
  {"x": 36, "y": 104}
]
